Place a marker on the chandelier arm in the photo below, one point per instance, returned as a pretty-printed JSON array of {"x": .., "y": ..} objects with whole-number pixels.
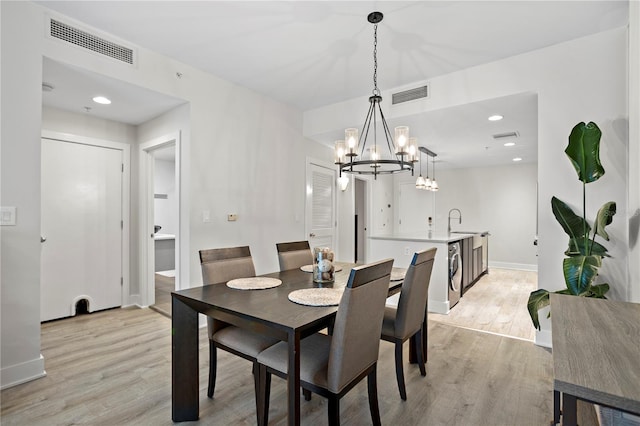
[
  {"x": 365, "y": 129},
  {"x": 387, "y": 133}
]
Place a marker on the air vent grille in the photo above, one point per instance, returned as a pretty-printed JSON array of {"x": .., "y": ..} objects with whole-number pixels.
[
  {"x": 89, "y": 41},
  {"x": 506, "y": 135},
  {"x": 410, "y": 95}
]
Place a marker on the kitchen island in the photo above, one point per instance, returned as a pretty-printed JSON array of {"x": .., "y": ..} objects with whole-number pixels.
[{"x": 402, "y": 247}]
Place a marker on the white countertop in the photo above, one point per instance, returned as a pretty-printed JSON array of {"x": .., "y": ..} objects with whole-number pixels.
[
  {"x": 429, "y": 238},
  {"x": 160, "y": 237}
]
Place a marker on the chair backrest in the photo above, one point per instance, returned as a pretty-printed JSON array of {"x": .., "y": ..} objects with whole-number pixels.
[
  {"x": 414, "y": 294},
  {"x": 294, "y": 255},
  {"x": 224, "y": 264},
  {"x": 358, "y": 323},
  {"x": 221, "y": 265}
]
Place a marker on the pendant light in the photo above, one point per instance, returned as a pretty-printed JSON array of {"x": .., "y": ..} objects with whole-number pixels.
[
  {"x": 434, "y": 183},
  {"x": 420, "y": 181}
]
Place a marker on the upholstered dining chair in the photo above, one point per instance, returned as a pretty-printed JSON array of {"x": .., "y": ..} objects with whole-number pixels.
[
  {"x": 331, "y": 365},
  {"x": 218, "y": 267},
  {"x": 406, "y": 321},
  {"x": 294, "y": 255}
]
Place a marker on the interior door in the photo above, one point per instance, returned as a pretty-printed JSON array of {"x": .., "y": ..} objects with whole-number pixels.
[
  {"x": 320, "y": 209},
  {"x": 82, "y": 227}
]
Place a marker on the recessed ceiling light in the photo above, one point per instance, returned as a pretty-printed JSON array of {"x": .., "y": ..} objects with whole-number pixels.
[
  {"x": 509, "y": 143},
  {"x": 517, "y": 159},
  {"x": 496, "y": 117},
  {"x": 102, "y": 100}
]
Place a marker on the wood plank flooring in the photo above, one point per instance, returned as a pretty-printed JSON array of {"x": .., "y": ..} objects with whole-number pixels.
[
  {"x": 497, "y": 303},
  {"x": 113, "y": 368}
]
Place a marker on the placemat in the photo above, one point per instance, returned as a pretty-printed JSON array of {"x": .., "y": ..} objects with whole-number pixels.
[
  {"x": 397, "y": 275},
  {"x": 317, "y": 296},
  {"x": 309, "y": 268},
  {"x": 254, "y": 283}
]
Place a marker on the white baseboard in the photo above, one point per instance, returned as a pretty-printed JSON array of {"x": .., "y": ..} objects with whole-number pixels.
[
  {"x": 17, "y": 374},
  {"x": 516, "y": 266}
]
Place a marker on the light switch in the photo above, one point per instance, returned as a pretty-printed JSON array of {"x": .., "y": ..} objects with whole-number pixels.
[
  {"x": 8, "y": 216},
  {"x": 232, "y": 217}
]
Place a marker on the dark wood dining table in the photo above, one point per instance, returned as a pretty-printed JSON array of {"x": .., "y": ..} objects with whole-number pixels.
[{"x": 265, "y": 311}]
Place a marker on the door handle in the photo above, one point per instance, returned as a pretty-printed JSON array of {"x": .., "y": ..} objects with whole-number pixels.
[
  {"x": 43, "y": 239},
  {"x": 312, "y": 235}
]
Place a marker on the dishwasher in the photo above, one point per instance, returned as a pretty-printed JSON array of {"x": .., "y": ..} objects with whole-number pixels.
[{"x": 454, "y": 262}]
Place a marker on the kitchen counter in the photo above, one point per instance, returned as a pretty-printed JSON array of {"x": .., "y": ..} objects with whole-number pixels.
[{"x": 427, "y": 238}]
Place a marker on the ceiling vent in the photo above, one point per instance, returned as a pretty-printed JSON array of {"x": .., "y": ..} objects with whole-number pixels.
[
  {"x": 410, "y": 95},
  {"x": 506, "y": 135},
  {"x": 86, "y": 40}
]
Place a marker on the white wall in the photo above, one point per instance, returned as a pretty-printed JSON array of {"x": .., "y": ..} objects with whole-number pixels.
[
  {"x": 80, "y": 124},
  {"x": 634, "y": 149},
  {"x": 563, "y": 77},
  {"x": 501, "y": 200},
  {"x": 243, "y": 154}
]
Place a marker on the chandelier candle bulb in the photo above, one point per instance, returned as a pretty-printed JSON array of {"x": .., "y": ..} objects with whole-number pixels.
[
  {"x": 339, "y": 152},
  {"x": 412, "y": 150},
  {"x": 351, "y": 138},
  {"x": 402, "y": 140}
]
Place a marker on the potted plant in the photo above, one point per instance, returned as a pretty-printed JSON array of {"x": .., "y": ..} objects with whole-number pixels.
[{"x": 584, "y": 254}]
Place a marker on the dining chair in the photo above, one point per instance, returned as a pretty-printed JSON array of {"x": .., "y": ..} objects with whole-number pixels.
[
  {"x": 331, "y": 365},
  {"x": 294, "y": 255},
  {"x": 408, "y": 319},
  {"x": 218, "y": 267}
]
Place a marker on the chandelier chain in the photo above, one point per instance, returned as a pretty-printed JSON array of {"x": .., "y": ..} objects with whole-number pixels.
[{"x": 376, "y": 91}]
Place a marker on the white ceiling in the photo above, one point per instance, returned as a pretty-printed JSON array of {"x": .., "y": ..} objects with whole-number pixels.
[{"x": 313, "y": 53}]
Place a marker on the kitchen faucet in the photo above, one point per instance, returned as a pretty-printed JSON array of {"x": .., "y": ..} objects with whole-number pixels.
[{"x": 449, "y": 222}]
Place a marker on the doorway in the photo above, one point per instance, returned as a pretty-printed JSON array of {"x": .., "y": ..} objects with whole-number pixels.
[
  {"x": 320, "y": 220},
  {"x": 360, "y": 221},
  {"x": 159, "y": 221}
]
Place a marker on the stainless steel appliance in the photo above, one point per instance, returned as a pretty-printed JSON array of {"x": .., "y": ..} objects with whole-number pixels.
[{"x": 454, "y": 261}]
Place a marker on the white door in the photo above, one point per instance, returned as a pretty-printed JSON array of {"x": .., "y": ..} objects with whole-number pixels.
[
  {"x": 82, "y": 223},
  {"x": 320, "y": 210},
  {"x": 415, "y": 206}
]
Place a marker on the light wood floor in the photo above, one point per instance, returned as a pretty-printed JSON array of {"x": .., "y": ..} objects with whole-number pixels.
[
  {"x": 497, "y": 303},
  {"x": 113, "y": 368}
]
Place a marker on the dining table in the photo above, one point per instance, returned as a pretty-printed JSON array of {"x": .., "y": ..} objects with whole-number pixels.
[{"x": 267, "y": 311}]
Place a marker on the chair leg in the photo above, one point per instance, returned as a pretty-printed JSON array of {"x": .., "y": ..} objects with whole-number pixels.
[
  {"x": 263, "y": 394},
  {"x": 399, "y": 371},
  {"x": 213, "y": 361},
  {"x": 307, "y": 394},
  {"x": 419, "y": 349},
  {"x": 334, "y": 410},
  {"x": 256, "y": 385},
  {"x": 372, "y": 386}
]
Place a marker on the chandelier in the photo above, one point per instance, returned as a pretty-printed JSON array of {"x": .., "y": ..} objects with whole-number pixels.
[{"x": 353, "y": 156}]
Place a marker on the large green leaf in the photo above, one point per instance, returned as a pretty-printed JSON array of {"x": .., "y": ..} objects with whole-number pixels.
[
  {"x": 580, "y": 271},
  {"x": 598, "y": 291},
  {"x": 584, "y": 151},
  {"x": 604, "y": 218},
  {"x": 588, "y": 248},
  {"x": 574, "y": 225},
  {"x": 537, "y": 300}
]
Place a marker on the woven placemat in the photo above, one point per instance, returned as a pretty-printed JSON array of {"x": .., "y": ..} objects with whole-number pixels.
[
  {"x": 397, "y": 275},
  {"x": 254, "y": 283},
  {"x": 317, "y": 296},
  {"x": 309, "y": 268}
]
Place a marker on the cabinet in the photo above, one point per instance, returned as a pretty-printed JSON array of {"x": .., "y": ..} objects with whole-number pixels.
[{"x": 474, "y": 258}]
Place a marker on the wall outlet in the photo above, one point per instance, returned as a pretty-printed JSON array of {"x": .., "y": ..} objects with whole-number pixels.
[
  {"x": 232, "y": 217},
  {"x": 8, "y": 216},
  {"x": 406, "y": 251}
]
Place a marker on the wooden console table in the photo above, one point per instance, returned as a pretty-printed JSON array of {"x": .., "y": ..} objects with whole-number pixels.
[{"x": 596, "y": 353}]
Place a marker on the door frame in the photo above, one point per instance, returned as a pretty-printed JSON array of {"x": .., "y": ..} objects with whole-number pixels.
[
  {"x": 126, "y": 185},
  {"x": 145, "y": 213}
]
